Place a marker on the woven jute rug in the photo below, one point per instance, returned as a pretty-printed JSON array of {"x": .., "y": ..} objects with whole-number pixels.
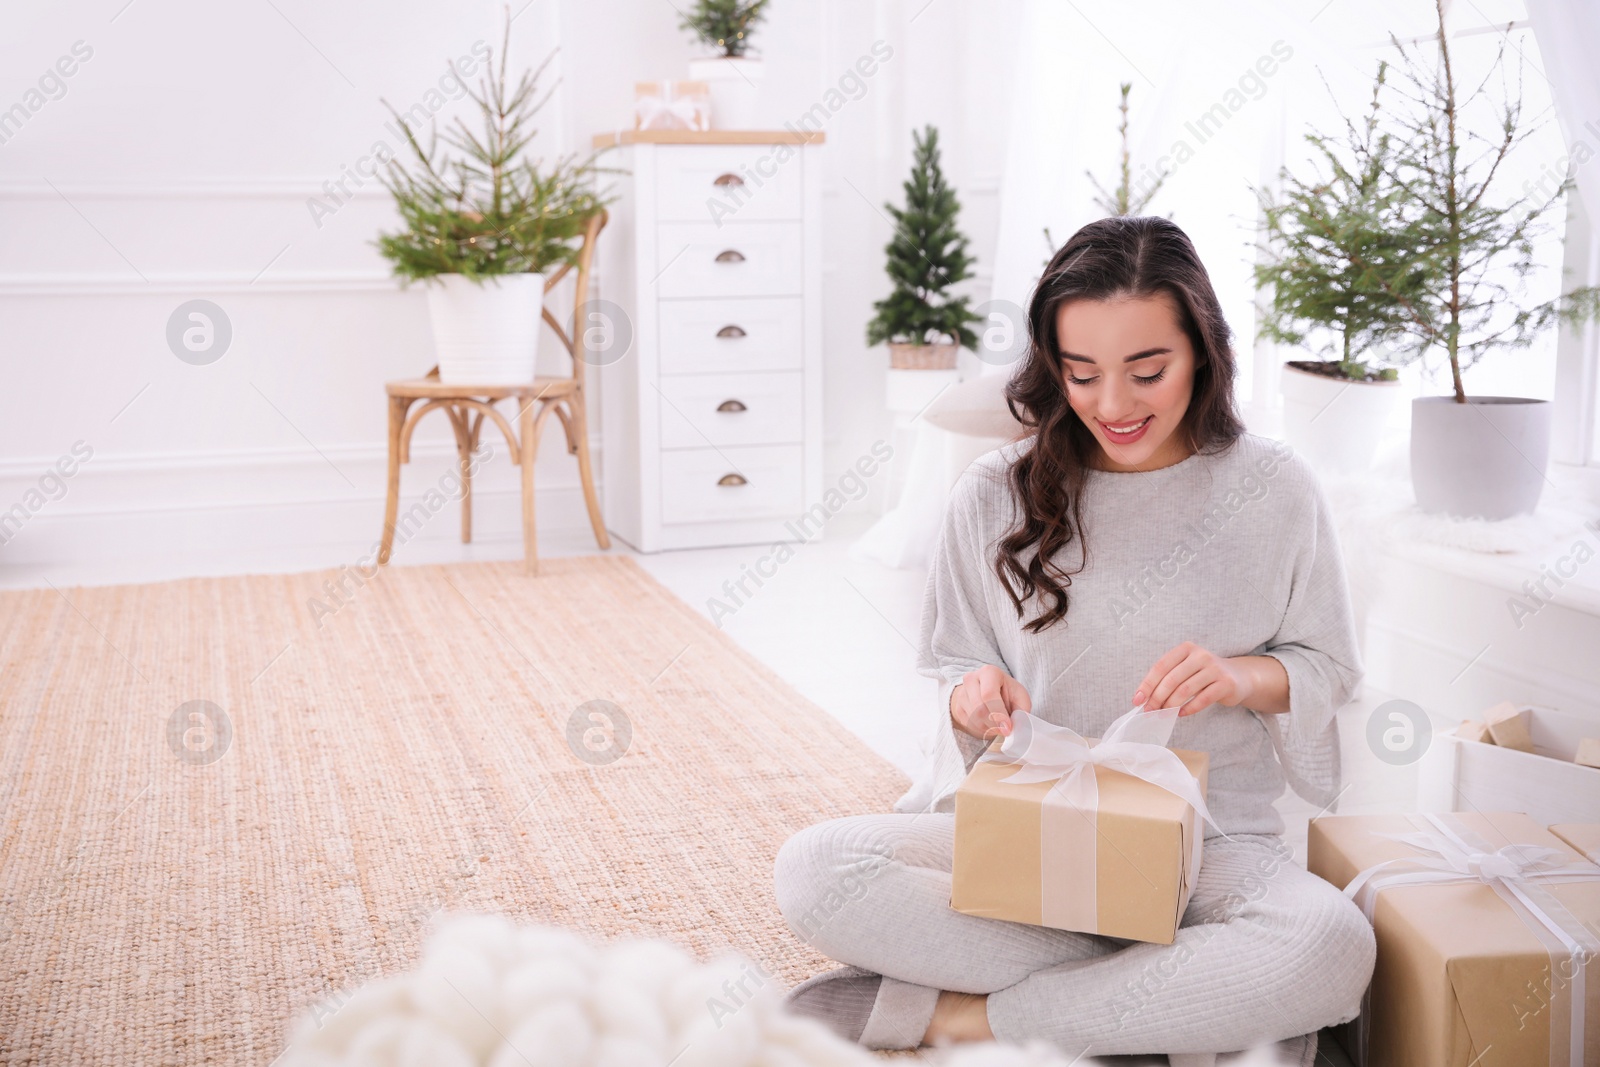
[{"x": 227, "y": 799}]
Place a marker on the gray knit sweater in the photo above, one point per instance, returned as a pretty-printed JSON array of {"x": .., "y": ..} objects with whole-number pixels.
[{"x": 1235, "y": 551}]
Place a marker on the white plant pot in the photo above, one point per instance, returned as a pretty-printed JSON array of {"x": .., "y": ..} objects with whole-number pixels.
[
  {"x": 1484, "y": 459},
  {"x": 1335, "y": 423},
  {"x": 735, "y": 90},
  {"x": 486, "y": 334}
]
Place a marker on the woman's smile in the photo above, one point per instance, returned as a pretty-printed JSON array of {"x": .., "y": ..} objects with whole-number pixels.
[{"x": 1125, "y": 433}]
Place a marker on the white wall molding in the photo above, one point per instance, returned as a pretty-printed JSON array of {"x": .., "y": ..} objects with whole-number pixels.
[
  {"x": 241, "y": 188},
  {"x": 191, "y": 283},
  {"x": 231, "y": 459},
  {"x": 246, "y": 463}
]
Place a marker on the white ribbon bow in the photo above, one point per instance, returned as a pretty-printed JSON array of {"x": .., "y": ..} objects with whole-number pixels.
[
  {"x": 651, "y": 108},
  {"x": 1447, "y": 857},
  {"x": 1135, "y": 743}
]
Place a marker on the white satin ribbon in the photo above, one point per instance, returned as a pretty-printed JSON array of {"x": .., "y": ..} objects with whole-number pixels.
[
  {"x": 1453, "y": 854},
  {"x": 1135, "y": 744}
]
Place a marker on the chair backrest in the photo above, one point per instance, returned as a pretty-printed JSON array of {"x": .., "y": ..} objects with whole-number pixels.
[{"x": 580, "y": 299}]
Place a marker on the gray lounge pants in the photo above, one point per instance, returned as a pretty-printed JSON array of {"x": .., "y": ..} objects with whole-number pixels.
[{"x": 1265, "y": 951}]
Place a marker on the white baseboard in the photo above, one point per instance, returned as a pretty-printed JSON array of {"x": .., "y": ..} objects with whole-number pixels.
[{"x": 145, "y": 518}]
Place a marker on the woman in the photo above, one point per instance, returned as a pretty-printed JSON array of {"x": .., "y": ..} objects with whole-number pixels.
[{"x": 1138, "y": 547}]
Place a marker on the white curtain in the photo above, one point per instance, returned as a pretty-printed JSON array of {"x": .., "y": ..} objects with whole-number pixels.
[{"x": 1568, "y": 33}]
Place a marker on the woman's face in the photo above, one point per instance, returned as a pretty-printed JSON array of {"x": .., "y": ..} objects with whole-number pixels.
[{"x": 1129, "y": 372}]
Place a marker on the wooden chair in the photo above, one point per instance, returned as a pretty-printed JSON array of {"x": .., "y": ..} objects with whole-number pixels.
[{"x": 468, "y": 405}]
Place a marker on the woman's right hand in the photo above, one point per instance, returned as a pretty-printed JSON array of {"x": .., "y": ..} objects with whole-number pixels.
[{"x": 982, "y": 702}]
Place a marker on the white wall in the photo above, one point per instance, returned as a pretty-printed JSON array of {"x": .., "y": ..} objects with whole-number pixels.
[{"x": 180, "y": 159}]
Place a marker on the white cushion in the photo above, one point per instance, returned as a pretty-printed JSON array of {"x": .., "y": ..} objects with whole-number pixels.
[{"x": 975, "y": 408}]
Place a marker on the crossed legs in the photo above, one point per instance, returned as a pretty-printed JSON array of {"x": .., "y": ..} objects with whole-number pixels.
[{"x": 1265, "y": 950}]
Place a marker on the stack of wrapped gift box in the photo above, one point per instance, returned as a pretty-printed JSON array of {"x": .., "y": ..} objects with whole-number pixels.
[
  {"x": 1488, "y": 929},
  {"x": 1487, "y": 924}
]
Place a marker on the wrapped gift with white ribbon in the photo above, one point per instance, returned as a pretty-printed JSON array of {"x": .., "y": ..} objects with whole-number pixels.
[
  {"x": 1099, "y": 835},
  {"x": 1487, "y": 939},
  {"x": 671, "y": 105}
]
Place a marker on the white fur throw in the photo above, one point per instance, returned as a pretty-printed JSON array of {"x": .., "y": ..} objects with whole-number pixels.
[{"x": 490, "y": 993}]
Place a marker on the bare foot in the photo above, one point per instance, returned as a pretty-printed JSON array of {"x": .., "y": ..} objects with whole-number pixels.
[{"x": 959, "y": 1017}]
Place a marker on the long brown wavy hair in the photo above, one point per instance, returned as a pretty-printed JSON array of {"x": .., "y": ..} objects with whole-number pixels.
[{"x": 1112, "y": 258}]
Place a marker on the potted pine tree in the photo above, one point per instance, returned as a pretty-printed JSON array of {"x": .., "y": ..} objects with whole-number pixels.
[
  {"x": 483, "y": 225},
  {"x": 921, "y": 321},
  {"x": 732, "y": 74},
  {"x": 1125, "y": 197},
  {"x": 1472, "y": 456},
  {"x": 1336, "y": 270}
]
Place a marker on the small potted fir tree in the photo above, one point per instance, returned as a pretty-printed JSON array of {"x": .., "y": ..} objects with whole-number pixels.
[
  {"x": 1471, "y": 456},
  {"x": 482, "y": 226},
  {"x": 731, "y": 73},
  {"x": 921, "y": 321},
  {"x": 1336, "y": 271}
]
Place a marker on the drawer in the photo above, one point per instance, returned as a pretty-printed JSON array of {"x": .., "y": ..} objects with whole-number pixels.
[
  {"x": 752, "y": 482},
  {"x": 738, "y": 259},
  {"x": 732, "y": 409},
  {"x": 731, "y": 335},
  {"x": 726, "y": 183}
]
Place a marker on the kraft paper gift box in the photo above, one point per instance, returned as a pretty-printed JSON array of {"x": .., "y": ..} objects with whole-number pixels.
[
  {"x": 1583, "y": 836},
  {"x": 672, "y": 105},
  {"x": 1487, "y": 939},
  {"x": 1092, "y": 849},
  {"x": 1507, "y": 726}
]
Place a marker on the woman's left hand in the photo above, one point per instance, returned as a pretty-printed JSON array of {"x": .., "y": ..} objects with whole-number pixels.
[{"x": 1194, "y": 678}]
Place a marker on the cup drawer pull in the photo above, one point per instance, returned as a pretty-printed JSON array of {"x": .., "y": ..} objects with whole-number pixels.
[
  {"x": 732, "y": 405},
  {"x": 731, "y": 479},
  {"x": 732, "y": 255},
  {"x": 731, "y": 331},
  {"x": 726, "y": 179}
]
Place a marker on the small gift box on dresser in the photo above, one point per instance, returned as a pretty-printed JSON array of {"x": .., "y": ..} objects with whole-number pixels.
[
  {"x": 1099, "y": 836},
  {"x": 671, "y": 105},
  {"x": 1488, "y": 931}
]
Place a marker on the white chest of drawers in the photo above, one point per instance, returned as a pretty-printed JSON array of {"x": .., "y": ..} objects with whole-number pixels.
[{"x": 711, "y": 419}]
